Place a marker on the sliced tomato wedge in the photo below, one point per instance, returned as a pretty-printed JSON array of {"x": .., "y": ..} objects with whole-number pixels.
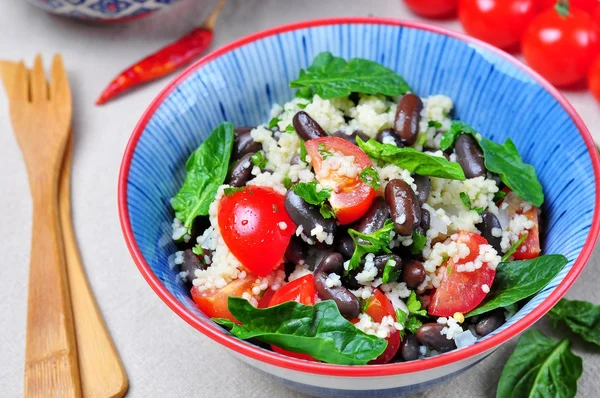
[
  {"x": 256, "y": 227},
  {"x": 351, "y": 196},
  {"x": 462, "y": 291},
  {"x": 530, "y": 248},
  {"x": 378, "y": 307},
  {"x": 213, "y": 302},
  {"x": 303, "y": 291}
]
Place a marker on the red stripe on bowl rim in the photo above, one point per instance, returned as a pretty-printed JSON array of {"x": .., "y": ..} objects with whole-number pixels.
[{"x": 274, "y": 359}]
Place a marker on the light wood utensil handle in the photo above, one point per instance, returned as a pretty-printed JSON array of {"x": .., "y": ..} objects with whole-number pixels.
[
  {"x": 102, "y": 373},
  {"x": 51, "y": 367}
]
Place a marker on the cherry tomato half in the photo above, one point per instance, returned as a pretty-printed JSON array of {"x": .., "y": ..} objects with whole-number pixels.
[
  {"x": 462, "y": 291},
  {"x": 350, "y": 197},
  {"x": 378, "y": 307},
  {"x": 432, "y": 8},
  {"x": 213, "y": 302},
  {"x": 594, "y": 79},
  {"x": 498, "y": 22},
  {"x": 530, "y": 248},
  {"x": 561, "y": 47},
  {"x": 596, "y": 15},
  {"x": 256, "y": 228},
  {"x": 303, "y": 291},
  {"x": 585, "y": 5}
]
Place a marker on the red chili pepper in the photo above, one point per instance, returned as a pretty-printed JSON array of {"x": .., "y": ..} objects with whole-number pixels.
[{"x": 164, "y": 61}]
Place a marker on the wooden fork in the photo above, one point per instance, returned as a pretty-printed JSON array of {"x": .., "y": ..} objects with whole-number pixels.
[{"x": 41, "y": 117}]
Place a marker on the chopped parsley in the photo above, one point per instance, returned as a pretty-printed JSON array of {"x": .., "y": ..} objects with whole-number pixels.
[
  {"x": 303, "y": 152},
  {"x": 390, "y": 273},
  {"x": 410, "y": 321},
  {"x": 198, "y": 251},
  {"x": 376, "y": 242},
  {"x": 418, "y": 244},
  {"x": 309, "y": 193},
  {"x": 287, "y": 182},
  {"x": 498, "y": 196},
  {"x": 275, "y": 209},
  {"x": 231, "y": 190},
  {"x": 513, "y": 248},
  {"x": 326, "y": 211},
  {"x": 289, "y": 128},
  {"x": 258, "y": 159},
  {"x": 467, "y": 202},
  {"x": 273, "y": 122},
  {"x": 323, "y": 151},
  {"x": 434, "y": 123},
  {"x": 301, "y": 106},
  {"x": 370, "y": 177}
]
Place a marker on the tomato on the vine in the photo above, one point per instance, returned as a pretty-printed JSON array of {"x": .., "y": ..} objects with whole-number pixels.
[
  {"x": 432, "y": 8},
  {"x": 498, "y": 22},
  {"x": 585, "y": 5},
  {"x": 462, "y": 291},
  {"x": 561, "y": 43},
  {"x": 594, "y": 79},
  {"x": 256, "y": 227}
]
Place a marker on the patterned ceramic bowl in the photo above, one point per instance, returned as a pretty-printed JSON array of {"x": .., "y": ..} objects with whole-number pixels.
[
  {"x": 103, "y": 10},
  {"x": 239, "y": 82}
]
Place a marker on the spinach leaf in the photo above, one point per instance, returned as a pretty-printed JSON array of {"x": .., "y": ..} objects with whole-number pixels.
[
  {"x": 540, "y": 367},
  {"x": 581, "y": 317},
  {"x": 331, "y": 77},
  {"x": 376, "y": 242},
  {"x": 206, "y": 171},
  {"x": 505, "y": 160},
  {"x": 517, "y": 280},
  {"x": 457, "y": 128},
  {"x": 412, "y": 160},
  {"x": 319, "y": 331}
]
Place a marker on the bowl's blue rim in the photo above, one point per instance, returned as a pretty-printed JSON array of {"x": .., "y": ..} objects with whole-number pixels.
[{"x": 341, "y": 370}]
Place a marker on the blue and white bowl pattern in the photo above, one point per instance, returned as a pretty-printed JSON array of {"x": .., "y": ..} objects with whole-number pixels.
[
  {"x": 102, "y": 10},
  {"x": 240, "y": 84}
]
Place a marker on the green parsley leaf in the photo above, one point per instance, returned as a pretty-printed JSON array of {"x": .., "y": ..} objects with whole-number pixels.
[
  {"x": 412, "y": 160},
  {"x": 231, "y": 190},
  {"x": 418, "y": 244},
  {"x": 457, "y": 128},
  {"x": 258, "y": 159},
  {"x": 326, "y": 211},
  {"x": 498, "y": 196},
  {"x": 413, "y": 324},
  {"x": 414, "y": 305},
  {"x": 370, "y": 177},
  {"x": 332, "y": 77},
  {"x": 289, "y": 128},
  {"x": 301, "y": 105},
  {"x": 273, "y": 122},
  {"x": 366, "y": 303},
  {"x": 376, "y": 242},
  {"x": 390, "y": 272},
  {"x": 505, "y": 160},
  {"x": 308, "y": 192},
  {"x": 410, "y": 321},
  {"x": 275, "y": 209},
  {"x": 304, "y": 92},
  {"x": 287, "y": 182},
  {"x": 467, "y": 202},
  {"x": 198, "y": 250},
  {"x": 303, "y": 152},
  {"x": 323, "y": 151},
  {"x": 449, "y": 270},
  {"x": 434, "y": 123},
  {"x": 513, "y": 248}
]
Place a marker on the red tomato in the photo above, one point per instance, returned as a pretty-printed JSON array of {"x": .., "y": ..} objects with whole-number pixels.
[
  {"x": 378, "y": 307},
  {"x": 585, "y": 5},
  {"x": 561, "y": 47},
  {"x": 213, "y": 302},
  {"x": 594, "y": 78},
  {"x": 432, "y": 8},
  {"x": 266, "y": 298},
  {"x": 350, "y": 197},
  {"x": 250, "y": 222},
  {"x": 498, "y": 22},
  {"x": 303, "y": 291},
  {"x": 530, "y": 248},
  {"x": 596, "y": 15},
  {"x": 461, "y": 291}
]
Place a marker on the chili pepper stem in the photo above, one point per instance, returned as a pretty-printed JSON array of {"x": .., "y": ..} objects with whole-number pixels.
[{"x": 209, "y": 23}]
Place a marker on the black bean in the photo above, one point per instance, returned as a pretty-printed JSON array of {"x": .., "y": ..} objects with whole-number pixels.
[
  {"x": 352, "y": 136},
  {"x": 243, "y": 143},
  {"x": 346, "y": 302},
  {"x": 374, "y": 218},
  {"x": 409, "y": 349},
  {"x": 413, "y": 273},
  {"x": 381, "y": 260},
  {"x": 423, "y": 184},
  {"x": 306, "y": 127},
  {"x": 408, "y": 116},
  {"x": 490, "y": 322},
  {"x": 200, "y": 224},
  {"x": 288, "y": 268},
  {"x": 488, "y": 223},
  {"x": 429, "y": 334},
  {"x": 386, "y": 134},
  {"x": 297, "y": 251},
  {"x": 469, "y": 156},
  {"x": 330, "y": 263},
  {"x": 345, "y": 246},
  {"x": 425, "y": 219},
  {"x": 241, "y": 171},
  {"x": 307, "y": 215},
  {"x": 191, "y": 262},
  {"x": 404, "y": 207}
]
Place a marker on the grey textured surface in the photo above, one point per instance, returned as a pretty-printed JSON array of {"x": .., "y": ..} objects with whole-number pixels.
[{"x": 165, "y": 357}]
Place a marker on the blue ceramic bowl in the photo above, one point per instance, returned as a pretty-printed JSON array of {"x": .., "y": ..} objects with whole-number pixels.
[
  {"x": 492, "y": 91},
  {"x": 103, "y": 10}
]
